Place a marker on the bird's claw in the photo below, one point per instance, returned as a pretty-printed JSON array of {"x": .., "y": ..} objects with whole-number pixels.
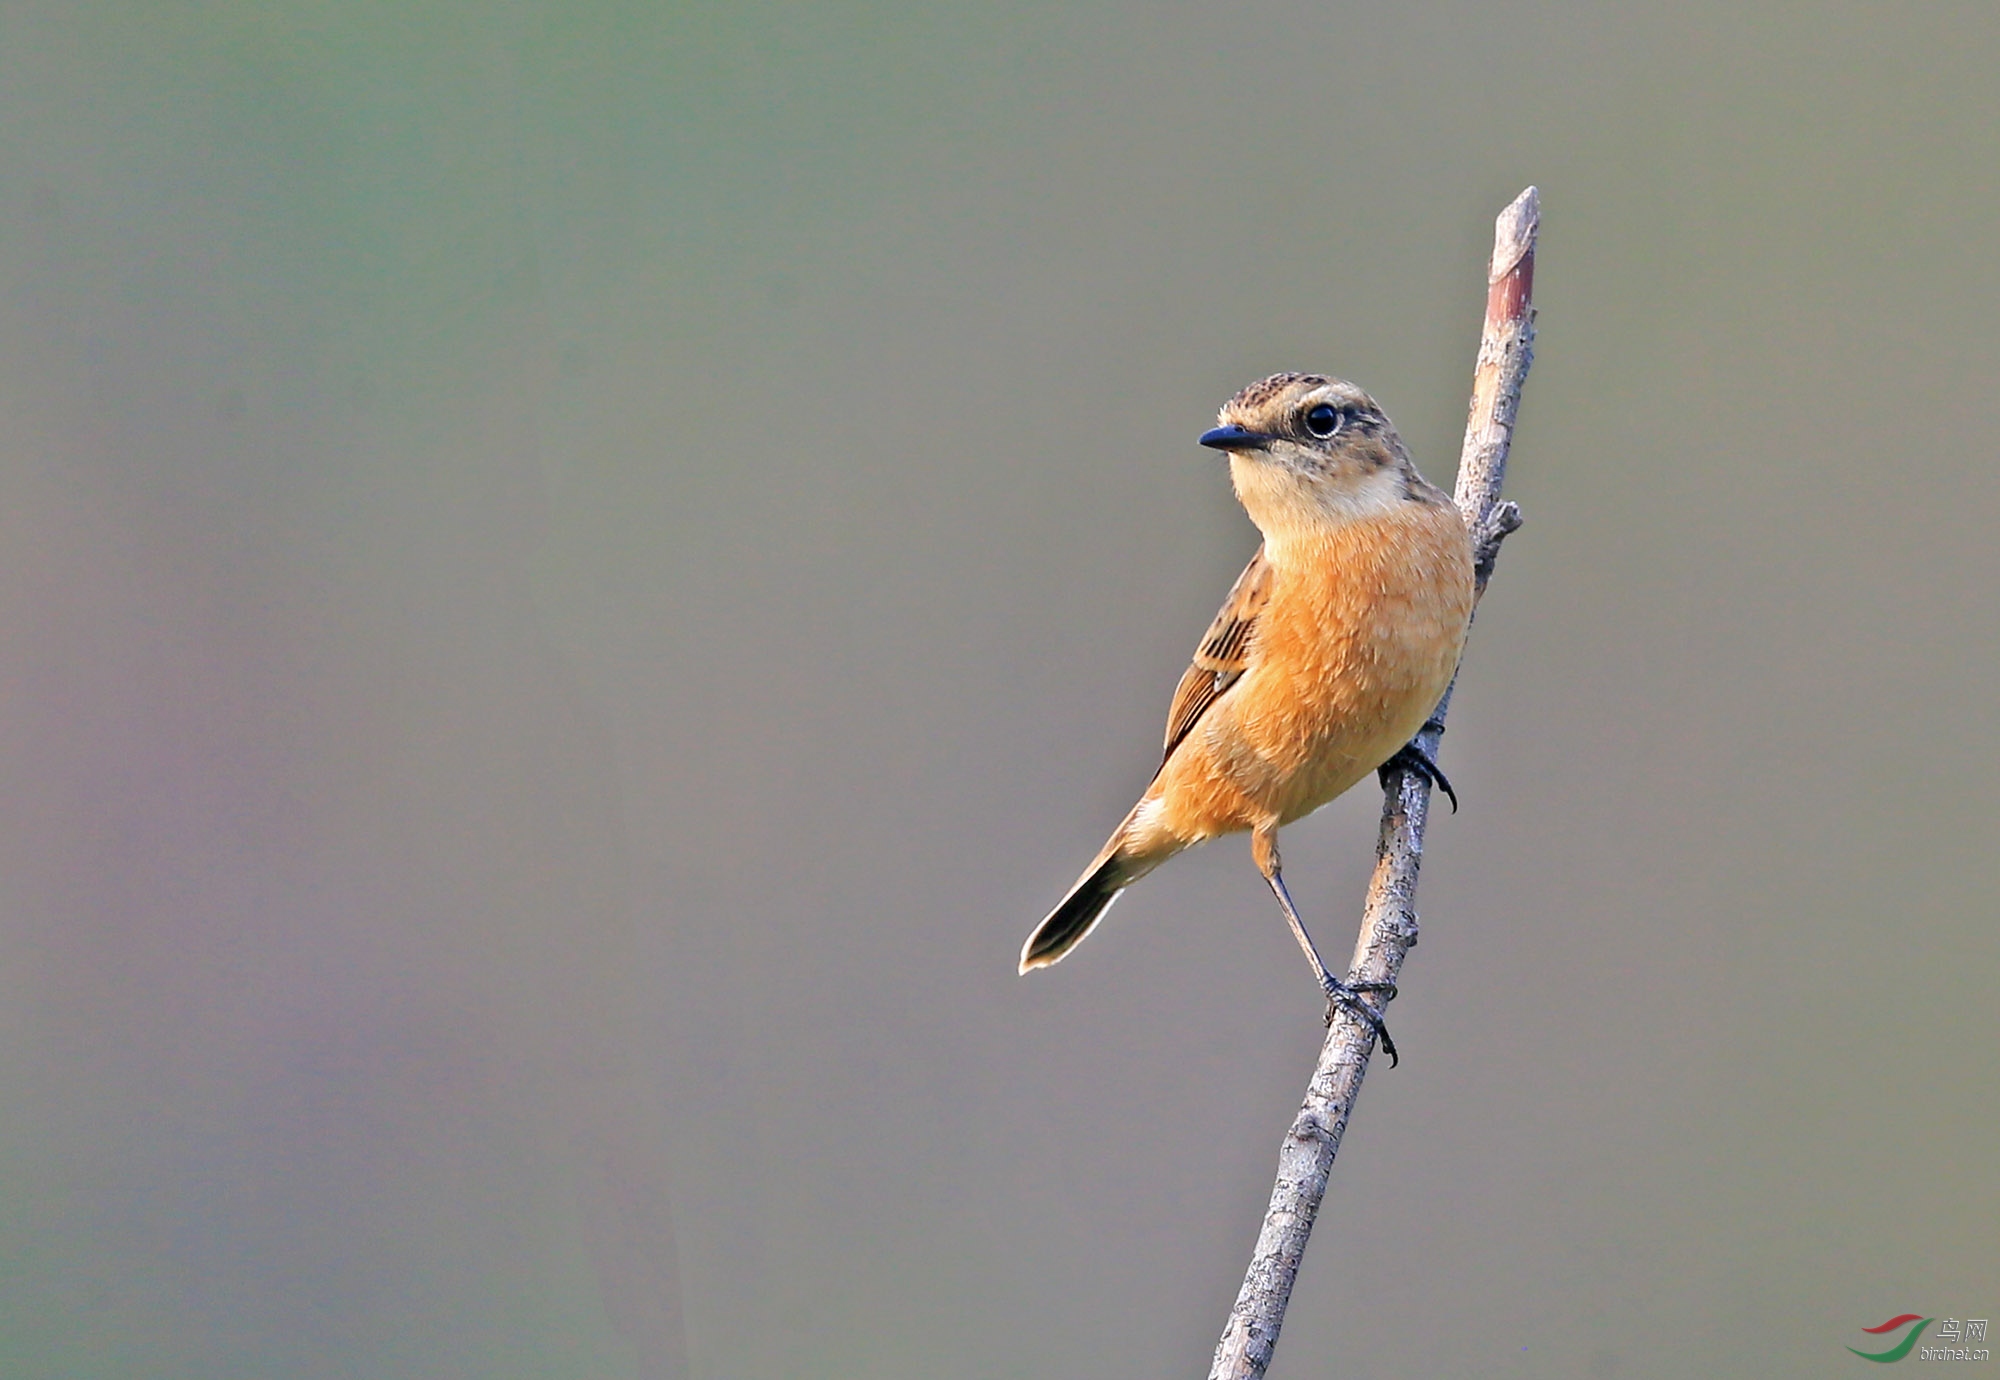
[
  {"x": 1348, "y": 995},
  {"x": 1412, "y": 758}
]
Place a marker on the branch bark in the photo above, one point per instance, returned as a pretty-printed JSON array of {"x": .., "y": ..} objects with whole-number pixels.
[{"x": 1389, "y": 923}]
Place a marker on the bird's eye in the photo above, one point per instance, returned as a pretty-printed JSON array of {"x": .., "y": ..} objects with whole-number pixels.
[{"x": 1323, "y": 420}]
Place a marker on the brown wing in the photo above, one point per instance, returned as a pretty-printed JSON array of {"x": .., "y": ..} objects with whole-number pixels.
[{"x": 1224, "y": 654}]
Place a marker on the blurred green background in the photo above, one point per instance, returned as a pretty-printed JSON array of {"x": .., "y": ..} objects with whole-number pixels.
[{"x": 577, "y": 577}]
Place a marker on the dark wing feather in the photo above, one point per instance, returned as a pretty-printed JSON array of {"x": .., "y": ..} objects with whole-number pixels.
[{"x": 1224, "y": 653}]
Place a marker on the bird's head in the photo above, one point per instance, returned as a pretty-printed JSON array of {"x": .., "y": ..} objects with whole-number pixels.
[{"x": 1306, "y": 451}]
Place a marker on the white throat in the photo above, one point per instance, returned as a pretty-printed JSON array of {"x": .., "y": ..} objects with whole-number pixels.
[{"x": 1282, "y": 502}]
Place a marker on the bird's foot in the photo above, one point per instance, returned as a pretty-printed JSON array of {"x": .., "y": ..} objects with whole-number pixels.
[
  {"x": 1348, "y": 994},
  {"x": 1411, "y": 757}
]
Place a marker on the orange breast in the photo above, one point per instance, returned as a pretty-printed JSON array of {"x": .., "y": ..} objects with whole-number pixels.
[{"x": 1355, "y": 648}]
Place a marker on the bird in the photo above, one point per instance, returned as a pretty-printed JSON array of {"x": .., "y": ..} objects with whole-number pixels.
[{"x": 1331, "y": 652}]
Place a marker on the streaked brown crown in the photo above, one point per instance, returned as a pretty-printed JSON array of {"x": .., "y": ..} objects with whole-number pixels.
[
  {"x": 1270, "y": 405},
  {"x": 1254, "y": 397}
]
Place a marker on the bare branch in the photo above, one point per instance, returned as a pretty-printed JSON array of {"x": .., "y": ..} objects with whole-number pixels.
[{"x": 1389, "y": 923}]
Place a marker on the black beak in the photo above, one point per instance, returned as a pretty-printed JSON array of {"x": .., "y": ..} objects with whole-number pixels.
[{"x": 1234, "y": 438}]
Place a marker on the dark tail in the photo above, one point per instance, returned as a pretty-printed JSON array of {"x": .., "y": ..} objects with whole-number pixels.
[{"x": 1078, "y": 914}]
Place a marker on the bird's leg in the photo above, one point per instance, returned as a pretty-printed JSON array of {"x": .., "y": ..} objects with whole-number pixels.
[
  {"x": 1264, "y": 848},
  {"x": 1411, "y": 757}
]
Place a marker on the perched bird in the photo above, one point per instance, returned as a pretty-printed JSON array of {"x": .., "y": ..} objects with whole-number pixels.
[{"x": 1331, "y": 651}]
